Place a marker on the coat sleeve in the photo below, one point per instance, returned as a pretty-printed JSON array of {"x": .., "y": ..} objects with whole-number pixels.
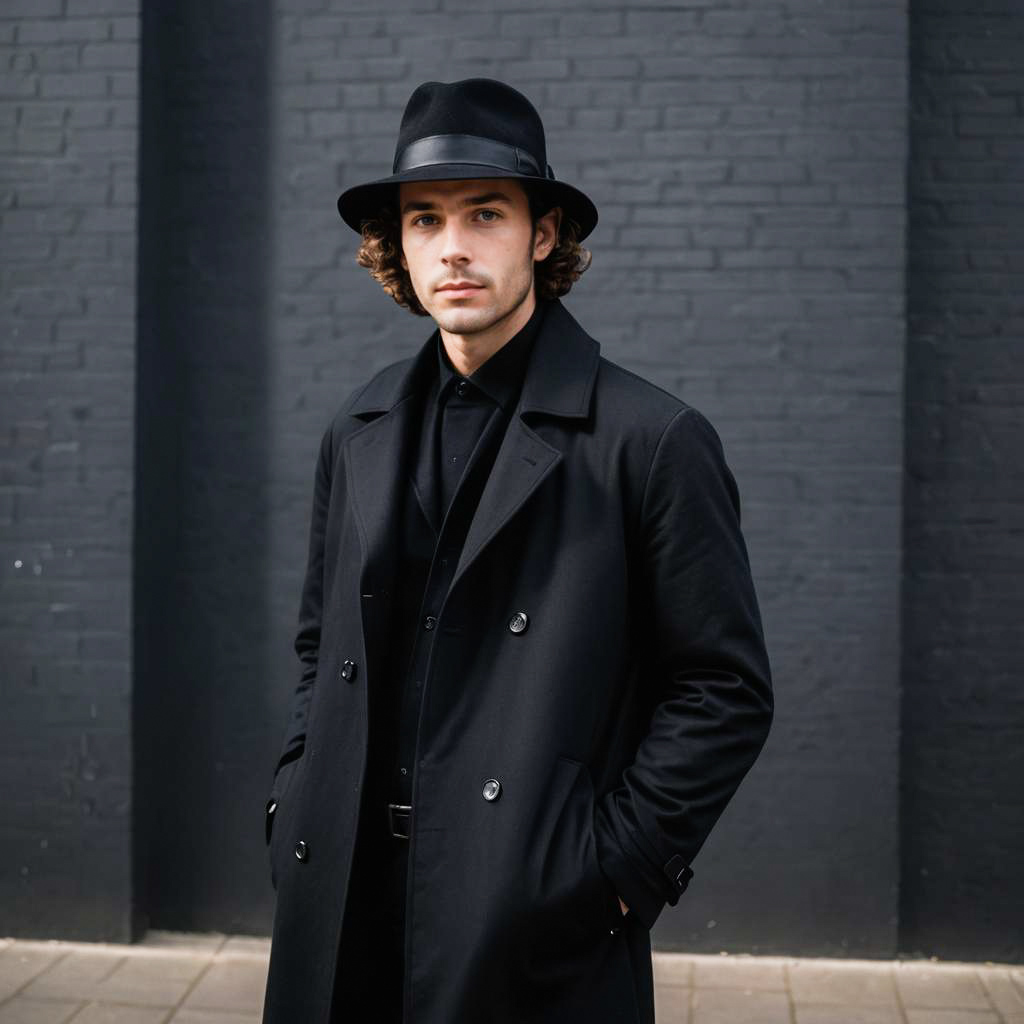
[
  {"x": 705, "y": 672},
  {"x": 307, "y": 636}
]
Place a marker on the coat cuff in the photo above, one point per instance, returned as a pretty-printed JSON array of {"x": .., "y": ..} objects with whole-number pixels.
[{"x": 644, "y": 888}]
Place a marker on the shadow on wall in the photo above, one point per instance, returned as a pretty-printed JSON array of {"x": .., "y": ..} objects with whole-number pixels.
[{"x": 201, "y": 619}]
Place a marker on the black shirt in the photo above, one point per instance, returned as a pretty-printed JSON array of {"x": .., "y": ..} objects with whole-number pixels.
[
  {"x": 462, "y": 407},
  {"x": 463, "y": 422}
]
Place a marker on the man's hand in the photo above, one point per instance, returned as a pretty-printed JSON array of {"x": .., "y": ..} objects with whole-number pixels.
[{"x": 625, "y": 909}]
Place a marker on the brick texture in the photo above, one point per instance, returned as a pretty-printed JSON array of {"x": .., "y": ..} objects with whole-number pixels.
[
  {"x": 963, "y": 808},
  {"x": 748, "y": 165},
  {"x": 749, "y": 162},
  {"x": 67, "y": 360}
]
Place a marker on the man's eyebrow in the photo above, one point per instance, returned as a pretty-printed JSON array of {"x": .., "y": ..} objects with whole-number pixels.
[{"x": 487, "y": 197}]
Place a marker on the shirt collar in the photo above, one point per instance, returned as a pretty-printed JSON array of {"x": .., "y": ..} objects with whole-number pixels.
[{"x": 501, "y": 375}]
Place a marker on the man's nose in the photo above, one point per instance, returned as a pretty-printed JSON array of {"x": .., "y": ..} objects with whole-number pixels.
[{"x": 454, "y": 244}]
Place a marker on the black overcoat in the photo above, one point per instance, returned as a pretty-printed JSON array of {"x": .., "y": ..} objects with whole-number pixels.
[{"x": 619, "y": 723}]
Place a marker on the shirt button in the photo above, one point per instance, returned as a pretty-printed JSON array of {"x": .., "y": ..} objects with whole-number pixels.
[
  {"x": 492, "y": 789},
  {"x": 460, "y": 388},
  {"x": 429, "y": 622},
  {"x": 519, "y": 622}
]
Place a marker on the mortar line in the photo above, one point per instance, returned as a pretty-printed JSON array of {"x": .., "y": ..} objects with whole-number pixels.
[
  {"x": 789, "y": 991},
  {"x": 988, "y": 996},
  {"x": 189, "y": 989},
  {"x": 691, "y": 1003},
  {"x": 25, "y": 984},
  {"x": 117, "y": 963},
  {"x": 899, "y": 995}
]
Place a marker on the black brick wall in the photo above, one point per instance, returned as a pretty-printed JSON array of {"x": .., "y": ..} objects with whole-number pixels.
[
  {"x": 750, "y": 166},
  {"x": 963, "y": 763},
  {"x": 68, "y": 102},
  {"x": 204, "y": 494}
]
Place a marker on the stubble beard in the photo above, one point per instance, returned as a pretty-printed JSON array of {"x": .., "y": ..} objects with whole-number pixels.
[{"x": 470, "y": 321}]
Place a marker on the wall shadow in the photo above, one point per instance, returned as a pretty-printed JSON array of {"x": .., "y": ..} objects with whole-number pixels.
[{"x": 201, "y": 619}]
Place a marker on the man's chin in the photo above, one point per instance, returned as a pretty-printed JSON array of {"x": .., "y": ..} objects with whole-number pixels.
[{"x": 465, "y": 321}]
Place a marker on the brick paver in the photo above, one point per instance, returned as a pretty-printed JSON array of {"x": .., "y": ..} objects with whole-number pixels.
[{"x": 171, "y": 978}]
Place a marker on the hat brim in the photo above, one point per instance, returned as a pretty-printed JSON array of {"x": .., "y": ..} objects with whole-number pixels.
[{"x": 363, "y": 202}]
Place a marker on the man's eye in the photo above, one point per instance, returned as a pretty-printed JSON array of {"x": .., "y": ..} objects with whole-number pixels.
[
  {"x": 422, "y": 217},
  {"x": 487, "y": 214}
]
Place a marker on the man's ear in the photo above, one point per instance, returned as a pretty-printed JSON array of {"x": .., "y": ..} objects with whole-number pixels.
[{"x": 547, "y": 233}]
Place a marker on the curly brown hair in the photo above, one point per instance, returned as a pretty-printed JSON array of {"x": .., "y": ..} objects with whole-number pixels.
[{"x": 381, "y": 252}]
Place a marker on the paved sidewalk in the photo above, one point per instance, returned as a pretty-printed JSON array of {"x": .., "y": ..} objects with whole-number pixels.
[{"x": 172, "y": 978}]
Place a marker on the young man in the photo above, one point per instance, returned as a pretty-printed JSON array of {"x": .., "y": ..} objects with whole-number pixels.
[{"x": 533, "y": 669}]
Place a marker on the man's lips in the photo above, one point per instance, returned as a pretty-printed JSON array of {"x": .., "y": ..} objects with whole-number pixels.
[{"x": 457, "y": 289}]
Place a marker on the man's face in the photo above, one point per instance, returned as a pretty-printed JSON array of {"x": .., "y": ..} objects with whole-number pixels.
[{"x": 477, "y": 233}]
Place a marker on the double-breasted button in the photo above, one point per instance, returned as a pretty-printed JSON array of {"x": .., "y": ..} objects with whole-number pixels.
[
  {"x": 348, "y": 670},
  {"x": 492, "y": 789},
  {"x": 429, "y": 622},
  {"x": 268, "y": 821},
  {"x": 301, "y": 851},
  {"x": 519, "y": 622}
]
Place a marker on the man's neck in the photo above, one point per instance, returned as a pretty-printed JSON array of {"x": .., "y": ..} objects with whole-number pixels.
[{"x": 469, "y": 351}]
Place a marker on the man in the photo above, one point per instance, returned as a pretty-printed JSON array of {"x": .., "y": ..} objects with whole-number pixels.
[{"x": 533, "y": 669}]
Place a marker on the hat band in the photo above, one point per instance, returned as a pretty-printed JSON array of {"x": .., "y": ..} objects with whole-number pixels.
[{"x": 467, "y": 149}]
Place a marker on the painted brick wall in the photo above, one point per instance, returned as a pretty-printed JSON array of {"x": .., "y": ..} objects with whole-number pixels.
[
  {"x": 68, "y": 98},
  {"x": 963, "y": 824},
  {"x": 748, "y": 164},
  {"x": 203, "y": 499}
]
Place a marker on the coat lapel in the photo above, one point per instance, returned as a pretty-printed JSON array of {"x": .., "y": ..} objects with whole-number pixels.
[
  {"x": 559, "y": 382},
  {"x": 379, "y": 458}
]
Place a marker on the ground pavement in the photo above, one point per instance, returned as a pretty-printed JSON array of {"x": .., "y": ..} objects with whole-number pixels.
[{"x": 171, "y": 978}]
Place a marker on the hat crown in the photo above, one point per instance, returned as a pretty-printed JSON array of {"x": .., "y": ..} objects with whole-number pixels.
[
  {"x": 474, "y": 128},
  {"x": 481, "y": 107}
]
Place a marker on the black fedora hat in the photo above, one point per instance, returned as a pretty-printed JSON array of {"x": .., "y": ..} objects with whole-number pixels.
[{"x": 475, "y": 128}]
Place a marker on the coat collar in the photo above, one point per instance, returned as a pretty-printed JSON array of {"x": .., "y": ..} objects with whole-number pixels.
[
  {"x": 379, "y": 454},
  {"x": 559, "y": 377}
]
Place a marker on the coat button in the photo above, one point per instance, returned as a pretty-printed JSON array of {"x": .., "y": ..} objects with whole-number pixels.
[
  {"x": 429, "y": 622},
  {"x": 519, "y": 622},
  {"x": 301, "y": 850},
  {"x": 492, "y": 789},
  {"x": 348, "y": 670}
]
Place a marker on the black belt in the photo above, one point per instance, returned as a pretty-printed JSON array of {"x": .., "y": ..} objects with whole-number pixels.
[{"x": 399, "y": 816}]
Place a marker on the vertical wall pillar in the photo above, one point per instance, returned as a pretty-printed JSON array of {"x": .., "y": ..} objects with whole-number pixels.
[
  {"x": 201, "y": 551},
  {"x": 962, "y": 765}
]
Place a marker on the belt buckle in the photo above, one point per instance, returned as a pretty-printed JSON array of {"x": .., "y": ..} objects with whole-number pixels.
[{"x": 399, "y": 813}]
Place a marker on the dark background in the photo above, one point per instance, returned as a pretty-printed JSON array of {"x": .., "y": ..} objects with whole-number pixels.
[{"x": 812, "y": 228}]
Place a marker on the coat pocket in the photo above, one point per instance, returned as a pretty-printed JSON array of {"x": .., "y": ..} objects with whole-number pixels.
[
  {"x": 576, "y": 900},
  {"x": 612, "y": 919}
]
